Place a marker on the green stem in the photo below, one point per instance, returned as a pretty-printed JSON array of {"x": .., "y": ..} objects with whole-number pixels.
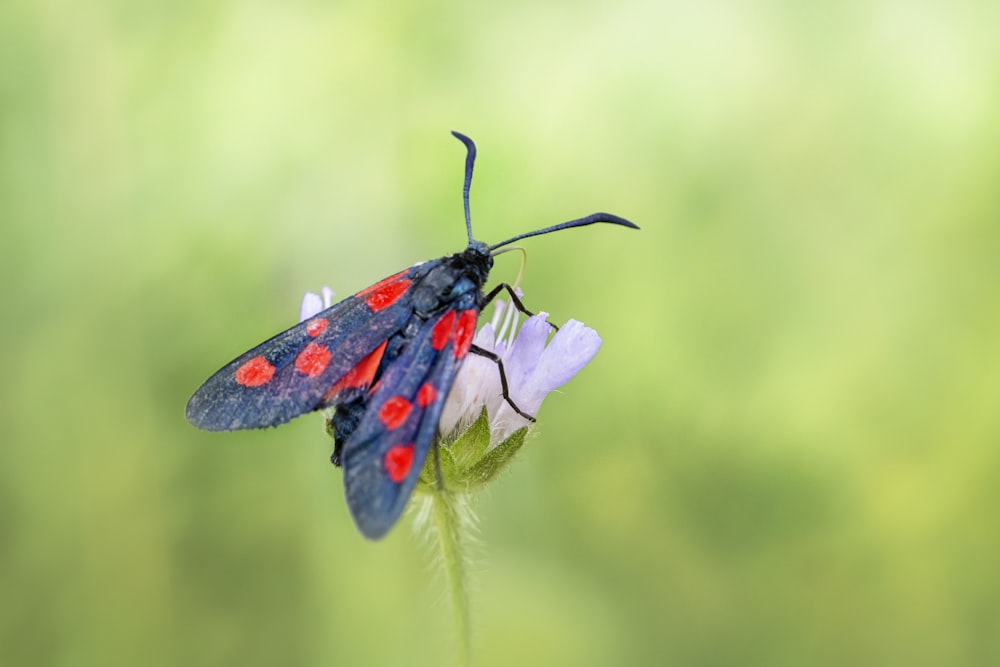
[{"x": 450, "y": 532}]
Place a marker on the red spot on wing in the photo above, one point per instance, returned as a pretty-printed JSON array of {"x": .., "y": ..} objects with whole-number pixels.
[
  {"x": 426, "y": 395},
  {"x": 362, "y": 374},
  {"x": 464, "y": 331},
  {"x": 313, "y": 359},
  {"x": 382, "y": 283},
  {"x": 386, "y": 292},
  {"x": 398, "y": 461},
  {"x": 394, "y": 412},
  {"x": 442, "y": 330},
  {"x": 385, "y": 296},
  {"x": 255, "y": 372},
  {"x": 317, "y": 326}
]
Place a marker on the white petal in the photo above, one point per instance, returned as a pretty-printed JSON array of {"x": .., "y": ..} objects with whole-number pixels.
[
  {"x": 311, "y": 304},
  {"x": 327, "y": 297}
]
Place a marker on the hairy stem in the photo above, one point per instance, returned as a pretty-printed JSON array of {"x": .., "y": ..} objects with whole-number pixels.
[{"x": 450, "y": 527}]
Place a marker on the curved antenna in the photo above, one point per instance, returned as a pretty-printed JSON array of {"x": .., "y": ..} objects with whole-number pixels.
[
  {"x": 591, "y": 219},
  {"x": 470, "y": 160}
]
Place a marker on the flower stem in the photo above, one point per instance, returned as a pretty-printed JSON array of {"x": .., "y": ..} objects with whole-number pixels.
[{"x": 447, "y": 510}]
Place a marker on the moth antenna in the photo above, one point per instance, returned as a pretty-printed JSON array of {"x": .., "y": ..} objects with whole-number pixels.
[
  {"x": 470, "y": 160},
  {"x": 591, "y": 219}
]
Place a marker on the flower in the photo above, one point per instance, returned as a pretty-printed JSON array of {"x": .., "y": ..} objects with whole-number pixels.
[{"x": 533, "y": 364}]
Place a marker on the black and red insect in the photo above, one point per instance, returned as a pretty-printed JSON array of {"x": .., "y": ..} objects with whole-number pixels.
[{"x": 385, "y": 359}]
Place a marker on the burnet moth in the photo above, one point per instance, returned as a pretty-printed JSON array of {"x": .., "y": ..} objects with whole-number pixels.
[{"x": 385, "y": 359}]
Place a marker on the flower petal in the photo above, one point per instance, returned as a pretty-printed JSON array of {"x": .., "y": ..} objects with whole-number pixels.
[
  {"x": 311, "y": 304},
  {"x": 521, "y": 359},
  {"x": 327, "y": 297},
  {"x": 572, "y": 348}
]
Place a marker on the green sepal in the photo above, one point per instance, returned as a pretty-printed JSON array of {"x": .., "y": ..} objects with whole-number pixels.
[
  {"x": 473, "y": 444},
  {"x": 495, "y": 460},
  {"x": 468, "y": 462},
  {"x": 450, "y": 471}
]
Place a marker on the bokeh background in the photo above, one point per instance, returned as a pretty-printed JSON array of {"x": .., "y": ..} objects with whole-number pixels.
[{"x": 785, "y": 454}]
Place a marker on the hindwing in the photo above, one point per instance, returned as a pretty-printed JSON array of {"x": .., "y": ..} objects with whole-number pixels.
[{"x": 383, "y": 456}]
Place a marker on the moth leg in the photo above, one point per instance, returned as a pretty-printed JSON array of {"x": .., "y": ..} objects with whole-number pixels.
[
  {"x": 514, "y": 299},
  {"x": 475, "y": 349}
]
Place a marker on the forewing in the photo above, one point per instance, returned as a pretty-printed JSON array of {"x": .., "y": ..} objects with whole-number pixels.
[
  {"x": 383, "y": 457},
  {"x": 291, "y": 373}
]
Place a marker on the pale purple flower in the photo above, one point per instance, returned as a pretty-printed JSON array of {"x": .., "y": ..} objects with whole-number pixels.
[{"x": 534, "y": 364}]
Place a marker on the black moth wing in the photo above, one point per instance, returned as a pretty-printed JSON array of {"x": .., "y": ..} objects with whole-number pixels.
[
  {"x": 289, "y": 374},
  {"x": 383, "y": 457}
]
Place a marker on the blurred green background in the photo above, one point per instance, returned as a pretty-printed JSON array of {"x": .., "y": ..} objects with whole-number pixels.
[{"x": 785, "y": 454}]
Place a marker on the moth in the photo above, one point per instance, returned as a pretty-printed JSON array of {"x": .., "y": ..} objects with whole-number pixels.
[{"x": 384, "y": 359}]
